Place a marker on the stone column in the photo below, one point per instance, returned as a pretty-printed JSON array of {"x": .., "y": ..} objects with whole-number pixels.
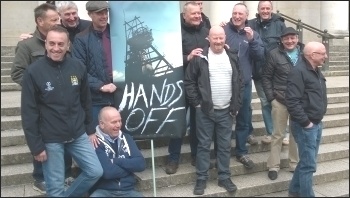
[
  {"x": 252, "y": 7},
  {"x": 220, "y": 11},
  {"x": 335, "y": 17},
  {"x": 82, "y": 10}
]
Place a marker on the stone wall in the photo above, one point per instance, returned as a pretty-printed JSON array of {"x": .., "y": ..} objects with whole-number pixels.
[{"x": 16, "y": 17}]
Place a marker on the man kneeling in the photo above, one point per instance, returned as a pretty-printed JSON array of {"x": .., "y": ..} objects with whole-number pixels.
[{"x": 119, "y": 157}]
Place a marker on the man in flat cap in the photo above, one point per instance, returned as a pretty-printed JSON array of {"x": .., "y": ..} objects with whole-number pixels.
[
  {"x": 93, "y": 47},
  {"x": 280, "y": 61}
]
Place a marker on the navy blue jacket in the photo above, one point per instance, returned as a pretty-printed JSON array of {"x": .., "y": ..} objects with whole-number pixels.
[
  {"x": 56, "y": 102},
  {"x": 89, "y": 50},
  {"x": 83, "y": 24},
  {"x": 119, "y": 162},
  {"x": 270, "y": 32},
  {"x": 247, "y": 51}
]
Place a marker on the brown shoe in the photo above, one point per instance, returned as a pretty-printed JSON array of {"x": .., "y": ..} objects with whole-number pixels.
[
  {"x": 251, "y": 140},
  {"x": 266, "y": 139},
  {"x": 171, "y": 167}
]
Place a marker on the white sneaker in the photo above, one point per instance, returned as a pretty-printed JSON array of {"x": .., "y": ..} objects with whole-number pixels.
[{"x": 266, "y": 139}]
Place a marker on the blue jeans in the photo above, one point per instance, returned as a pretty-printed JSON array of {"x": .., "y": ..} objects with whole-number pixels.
[
  {"x": 308, "y": 141},
  {"x": 84, "y": 154},
  {"x": 266, "y": 107},
  {"x": 38, "y": 168},
  {"x": 115, "y": 193},
  {"x": 243, "y": 122},
  {"x": 175, "y": 144},
  {"x": 220, "y": 124}
]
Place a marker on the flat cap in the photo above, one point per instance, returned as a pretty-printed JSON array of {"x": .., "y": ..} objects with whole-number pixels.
[
  {"x": 96, "y": 6},
  {"x": 288, "y": 31}
]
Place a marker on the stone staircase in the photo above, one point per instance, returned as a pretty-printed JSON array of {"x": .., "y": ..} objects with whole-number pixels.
[{"x": 331, "y": 178}]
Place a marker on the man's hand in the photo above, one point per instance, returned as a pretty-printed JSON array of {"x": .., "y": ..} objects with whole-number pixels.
[
  {"x": 42, "y": 157},
  {"x": 249, "y": 33},
  {"x": 110, "y": 88},
  {"x": 25, "y": 36},
  {"x": 222, "y": 24},
  {"x": 94, "y": 140},
  {"x": 310, "y": 125},
  {"x": 195, "y": 52}
]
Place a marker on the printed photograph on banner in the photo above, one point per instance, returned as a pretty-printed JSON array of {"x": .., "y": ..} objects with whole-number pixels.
[{"x": 147, "y": 67}]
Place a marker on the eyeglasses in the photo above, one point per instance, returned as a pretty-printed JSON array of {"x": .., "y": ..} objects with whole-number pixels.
[{"x": 324, "y": 53}]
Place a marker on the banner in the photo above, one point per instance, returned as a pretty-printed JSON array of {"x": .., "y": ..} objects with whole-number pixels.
[{"x": 148, "y": 68}]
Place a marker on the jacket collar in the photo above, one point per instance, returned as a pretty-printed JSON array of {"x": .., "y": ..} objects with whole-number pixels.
[
  {"x": 232, "y": 27},
  {"x": 103, "y": 136}
]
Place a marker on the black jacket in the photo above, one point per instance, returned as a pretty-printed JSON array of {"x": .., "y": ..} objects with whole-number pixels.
[
  {"x": 306, "y": 94},
  {"x": 197, "y": 83},
  {"x": 206, "y": 21},
  {"x": 270, "y": 32},
  {"x": 56, "y": 102},
  {"x": 83, "y": 24},
  {"x": 192, "y": 37},
  {"x": 275, "y": 73}
]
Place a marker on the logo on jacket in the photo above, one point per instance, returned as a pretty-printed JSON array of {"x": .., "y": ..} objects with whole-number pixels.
[
  {"x": 48, "y": 87},
  {"x": 74, "y": 80}
]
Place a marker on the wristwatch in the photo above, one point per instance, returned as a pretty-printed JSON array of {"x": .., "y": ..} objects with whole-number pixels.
[{"x": 101, "y": 88}]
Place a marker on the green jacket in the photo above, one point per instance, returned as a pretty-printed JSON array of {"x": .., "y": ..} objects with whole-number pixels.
[{"x": 27, "y": 52}]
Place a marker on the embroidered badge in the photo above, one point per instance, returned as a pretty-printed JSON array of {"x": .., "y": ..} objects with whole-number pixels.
[
  {"x": 74, "y": 80},
  {"x": 48, "y": 86}
]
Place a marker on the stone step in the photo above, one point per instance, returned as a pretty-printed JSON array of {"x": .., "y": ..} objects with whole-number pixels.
[
  {"x": 7, "y": 58},
  {"x": 336, "y": 73},
  {"x": 336, "y": 57},
  {"x": 334, "y": 54},
  {"x": 334, "y": 63},
  {"x": 6, "y": 65},
  {"x": 5, "y": 72},
  {"x": 6, "y": 79},
  {"x": 8, "y": 50},
  {"x": 328, "y": 188},
  {"x": 254, "y": 184},
  {"x": 339, "y": 188},
  {"x": 21, "y": 173},
  {"x": 331, "y": 110},
  {"x": 332, "y": 98},
  {"x": 10, "y": 87},
  {"x": 339, "y": 48},
  {"x": 18, "y": 152}
]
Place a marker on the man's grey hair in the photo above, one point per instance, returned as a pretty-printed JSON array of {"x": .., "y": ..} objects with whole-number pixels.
[
  {"x": 65, "y": 5},
  {"x": 188, "y": 3}
]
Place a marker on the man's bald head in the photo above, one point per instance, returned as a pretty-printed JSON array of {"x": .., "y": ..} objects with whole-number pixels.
[
  {"x": 315, "y": 53},
  {"x": 217, "y": 39}
]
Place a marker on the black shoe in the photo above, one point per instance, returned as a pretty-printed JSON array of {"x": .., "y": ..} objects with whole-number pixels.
[
  {"x": 228, "y": 185},
  {"x": 39, "y": 186},
  {"x": 200, "y": 186},
  {"x": 193, "y": 161},
  {"x": 273, "y": 175},
  {"x": 171, "y": 167},
  {"x": 246, "y": 161}
]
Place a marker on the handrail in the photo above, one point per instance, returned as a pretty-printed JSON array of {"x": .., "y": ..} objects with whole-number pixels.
[{"x": 324, "y": 34}]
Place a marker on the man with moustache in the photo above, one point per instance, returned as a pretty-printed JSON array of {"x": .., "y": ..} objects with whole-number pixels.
[{"x": 250, "y": 48}]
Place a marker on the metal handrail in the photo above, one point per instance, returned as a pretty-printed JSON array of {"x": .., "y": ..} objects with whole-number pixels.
[{"x": 324, "y": 34}]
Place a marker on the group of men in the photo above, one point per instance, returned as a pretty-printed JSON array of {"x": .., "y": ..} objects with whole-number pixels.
[
  {"x": 67, "y": 104},
  {"x": 62, "y": 105}
]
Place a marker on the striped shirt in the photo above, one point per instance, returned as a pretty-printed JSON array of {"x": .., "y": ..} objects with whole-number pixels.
[{"x": 220, "y": 75}]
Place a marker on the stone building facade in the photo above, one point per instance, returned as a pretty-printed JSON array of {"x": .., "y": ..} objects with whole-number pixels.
[{"x": 17, "y": 16}]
